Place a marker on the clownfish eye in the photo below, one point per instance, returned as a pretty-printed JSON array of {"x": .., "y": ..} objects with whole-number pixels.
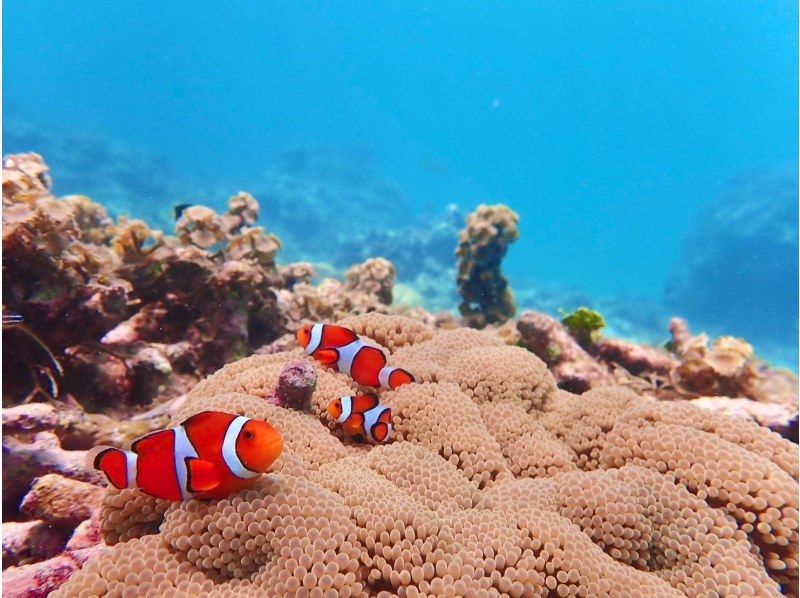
[{"x": 248, "y": 435}]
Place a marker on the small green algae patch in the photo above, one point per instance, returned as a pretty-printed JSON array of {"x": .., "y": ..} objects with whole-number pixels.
[{"x": 585, "y": 324}]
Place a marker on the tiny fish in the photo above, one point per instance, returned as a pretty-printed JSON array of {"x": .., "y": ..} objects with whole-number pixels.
[
  {"x": 178, "y": 210},
  {"x": 210, "y": 455},
  {"x": 12, "y": 319},
  {"x": 340, "y": 348},
  {"x": 362, "y": 415}
]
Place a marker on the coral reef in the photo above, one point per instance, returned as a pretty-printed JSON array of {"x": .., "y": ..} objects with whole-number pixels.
[
  {"x": 531, "y": 458},
  {"x": 689, "y": 370},
  {"x": 117, "y": 314},
  {"x": 486, "y": 297},
  {"x": 490, "y": 487}
]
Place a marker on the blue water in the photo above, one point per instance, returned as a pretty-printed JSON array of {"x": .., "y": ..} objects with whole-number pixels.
[{"x": 609, "y": 126}]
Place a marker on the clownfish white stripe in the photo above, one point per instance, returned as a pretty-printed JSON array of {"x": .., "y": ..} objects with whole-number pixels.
[
  {"x": 229, "y": 453},
  {"x": 383, "y": 376},
  {"x": 183, "y": 449},
  {"x": 130, "y": 468},
  {"x": 371, "y": 416},
  {"x": 316, "y": 338},
  {"x": 347, "y": 408},
  {"x": 347, "y": 354}
]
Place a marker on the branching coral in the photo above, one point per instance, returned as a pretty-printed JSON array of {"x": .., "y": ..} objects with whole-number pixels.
[
  {"x": 486, "y": 296},
  {"x": 602, "y": 494},
  {"x": 130, "y": 312},
  {"x": 96, "y": 293},
  {"x": 374, "y": 277}
]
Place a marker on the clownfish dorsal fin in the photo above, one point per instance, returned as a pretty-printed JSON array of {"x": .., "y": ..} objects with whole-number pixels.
[
  {"x": 365, "y": 402},
  {"x": 155, "y": 441},
  {"x": 354, "y": 424},
  {"x": 201, "y": 475},
  {"x": 198, "y": 418},
  {"x": 337, "y": 336},
  {"x": 327, "y": 356}
]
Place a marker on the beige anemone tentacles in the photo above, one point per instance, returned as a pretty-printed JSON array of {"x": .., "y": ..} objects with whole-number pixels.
[{"x": 484, "y": 490}]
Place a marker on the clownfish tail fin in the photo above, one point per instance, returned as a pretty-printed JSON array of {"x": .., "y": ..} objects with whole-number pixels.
[
  {"x": 393, "y": 378},
  {"x": 117, "y": 465},
  {"x": 380, "y": 431}
]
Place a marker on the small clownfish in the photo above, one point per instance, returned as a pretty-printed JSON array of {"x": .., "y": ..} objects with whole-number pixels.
[
  {"x": 178, "y": 210},
  {"x": 210, "y": 455},
  {"x": 341, "y": 348},
  {"x": 362, "y": 415}
]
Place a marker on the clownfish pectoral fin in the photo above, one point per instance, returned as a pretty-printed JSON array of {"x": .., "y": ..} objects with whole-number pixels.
[
  {"x": 201, "y": 475},
  {"x": 117, "y": 465},
  {"x": 354, "y": 424},
  {"x": 327, "y": 356},
  {"x": 380, "y": 432}
]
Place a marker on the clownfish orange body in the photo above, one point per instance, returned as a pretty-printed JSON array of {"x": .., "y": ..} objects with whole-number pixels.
[
  {"x": 362, "y": 415},
  {"x": 210, "y": 455},
  {"x": 340, "y": 348}
]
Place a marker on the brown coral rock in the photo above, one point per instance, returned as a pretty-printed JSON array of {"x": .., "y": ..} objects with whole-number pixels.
[
  {"x": 28, "y": 541},
  {"x": 25, "y": 175},
  {"x": 633, "y": 357},
  {"x": 486, "y": 296},
  {"x": 547, "y": 338},
  {"x": 61, "y": 501}
]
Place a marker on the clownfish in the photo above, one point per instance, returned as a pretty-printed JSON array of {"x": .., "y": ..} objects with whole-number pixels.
[
  {"x": 209, "y": 455},
  {"x": 340, "y": 347},
  {"x": 362, "y": 415}
]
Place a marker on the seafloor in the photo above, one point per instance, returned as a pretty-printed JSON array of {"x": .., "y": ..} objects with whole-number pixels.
[{"x": 532, "y": 457}]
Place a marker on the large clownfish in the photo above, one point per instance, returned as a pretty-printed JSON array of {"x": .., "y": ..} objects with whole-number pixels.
[
  {"x": 210, "y": 455},
  {"x": 362, "y": 415},
  {"x": 340, "y": 347}
]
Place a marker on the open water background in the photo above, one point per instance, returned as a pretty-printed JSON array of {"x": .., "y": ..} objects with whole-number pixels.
[{"x": 635, "y": 139}]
